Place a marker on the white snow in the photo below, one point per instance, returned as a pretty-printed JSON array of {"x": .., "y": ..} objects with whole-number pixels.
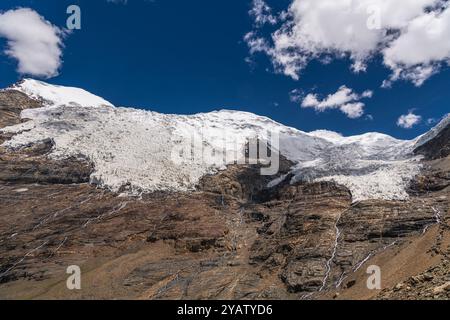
[
  {"x": 136, "y": 148},
  {"x": 328, "y": 135},
  {"x": 53, "y": 95}
]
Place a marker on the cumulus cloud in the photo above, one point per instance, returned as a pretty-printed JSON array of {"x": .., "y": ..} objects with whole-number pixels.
[
  {"x": 407, "y": 121},
  {"x": 35, "y": 43},
  {"x": 418, "y": 52},
  {"x": 344, "y": 99},
  {"x": 411, "y": 36}
]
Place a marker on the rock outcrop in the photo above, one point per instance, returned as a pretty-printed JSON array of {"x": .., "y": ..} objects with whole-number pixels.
[{"x": 12, "y": 102}]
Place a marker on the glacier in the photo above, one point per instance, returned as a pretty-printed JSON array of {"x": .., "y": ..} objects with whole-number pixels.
[{"x": 133, "y": 148}]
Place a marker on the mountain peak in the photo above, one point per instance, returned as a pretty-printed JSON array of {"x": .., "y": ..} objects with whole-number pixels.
[{"x": 55, "y": 95}]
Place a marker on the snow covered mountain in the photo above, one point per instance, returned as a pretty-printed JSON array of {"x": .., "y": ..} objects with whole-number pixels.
[
  {"x": 433, "y": 132},
  {"x": 136, "y": 148},
  {"x": 56, "y": 96}
]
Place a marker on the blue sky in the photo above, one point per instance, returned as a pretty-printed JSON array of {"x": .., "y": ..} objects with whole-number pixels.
[{"x": 177, "y": 56}]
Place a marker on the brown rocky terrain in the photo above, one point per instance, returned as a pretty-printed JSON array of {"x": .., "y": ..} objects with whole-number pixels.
[{"x": 230, "y": 239}]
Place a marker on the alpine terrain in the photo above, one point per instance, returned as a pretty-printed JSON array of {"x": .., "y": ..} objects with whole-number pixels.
[{"x": 161, "y": 206}]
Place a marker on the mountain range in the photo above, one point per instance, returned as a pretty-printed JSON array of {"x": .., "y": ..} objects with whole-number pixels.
[{"x": 160, "y": 206}]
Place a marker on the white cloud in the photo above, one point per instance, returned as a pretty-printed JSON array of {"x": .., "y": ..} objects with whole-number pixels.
[
  {"x": 411, "y": 36},
  {"x": 407, "y": 121},
  {"x": 418, "y": 52},
  {"x": 262, "y": 13},
  {"x": 256, "y": 44},
  {"x": 296, "y": 95},
  {"x": 345, "y": 99},
  {"x": 353, "y": 110},
  {"x": 431, "y": 121},
  {"x": 34, "y": 42}
]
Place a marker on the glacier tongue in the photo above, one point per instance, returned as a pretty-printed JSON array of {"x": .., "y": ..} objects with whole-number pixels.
[{"x": 135, "y": 147}]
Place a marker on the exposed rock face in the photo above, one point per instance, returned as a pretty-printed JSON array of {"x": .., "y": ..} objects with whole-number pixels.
[
  {"x": 12, "y": 102},
  {"x": 244, "y": 182},
  {"x": 373, "y": 226},
  {"x": 233, "y": 238},
  {"x": 434, "y": 177},
  {"x": 30, "y": 165},
  {"x": 436, "y": 148},
  {"x": 298, "y": 236}
]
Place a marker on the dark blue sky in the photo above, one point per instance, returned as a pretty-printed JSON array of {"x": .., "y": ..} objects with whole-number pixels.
[{"x": 178, "y": 56}]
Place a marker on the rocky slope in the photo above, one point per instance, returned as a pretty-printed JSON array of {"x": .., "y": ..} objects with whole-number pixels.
[
  {"x": 434, "y": 145},
  {"x": 231, "y": 237}
]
